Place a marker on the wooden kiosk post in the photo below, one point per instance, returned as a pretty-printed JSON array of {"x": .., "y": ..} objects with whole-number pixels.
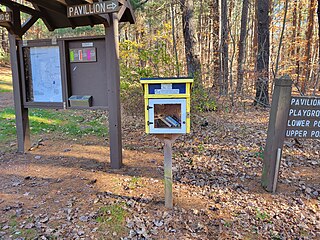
[
  {"x": 112, "y": 67},
  {"x": 290, "y": 117},
  {"x": 22, "y": 113},
  {"x": 276, "y": 132}
]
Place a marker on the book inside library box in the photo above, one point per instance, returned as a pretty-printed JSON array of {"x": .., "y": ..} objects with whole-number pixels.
[{"x": 167, "y": 115}]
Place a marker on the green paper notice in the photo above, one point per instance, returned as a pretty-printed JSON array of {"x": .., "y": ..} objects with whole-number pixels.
[{"x": 72, "y": 56}]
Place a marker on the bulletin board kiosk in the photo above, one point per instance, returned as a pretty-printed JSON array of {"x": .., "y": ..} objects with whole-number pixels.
[
  {"x": 167, "y": 115},
  {"x": 66, "y": 73}
]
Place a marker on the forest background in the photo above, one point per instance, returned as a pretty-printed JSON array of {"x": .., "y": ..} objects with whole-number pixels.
[{"x": 234, "y": 49}]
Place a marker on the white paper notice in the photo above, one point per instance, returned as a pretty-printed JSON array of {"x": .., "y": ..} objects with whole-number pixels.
[{"x": 46, "y": 74}]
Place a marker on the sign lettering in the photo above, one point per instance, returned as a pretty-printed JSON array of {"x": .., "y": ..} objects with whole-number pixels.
[
  {"x": 304, "y": 118},
  {"x": 93, "y": 9},
  {"x": 5, "y": 17}
]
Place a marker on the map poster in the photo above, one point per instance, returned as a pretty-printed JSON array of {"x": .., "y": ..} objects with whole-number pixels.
[{"x": 46, "y": 74}]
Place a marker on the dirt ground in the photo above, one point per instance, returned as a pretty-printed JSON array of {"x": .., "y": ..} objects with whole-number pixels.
[{"x": 57, "y": 190}]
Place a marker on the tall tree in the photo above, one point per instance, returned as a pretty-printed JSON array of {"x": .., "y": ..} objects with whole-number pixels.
[
  {"x": 242, "y": 44},
  {"x": 298, "y": 50},
  {"x": 224, "y": 47},
  {"x": 318, "y": 77},
  {"x": 292, "y": 54},
  {"x": 281, "y": 38},
  {"x": 213, "y": 57},
  {"x": 174, "y": 41},
  {"x": 311, "y": 11},
  {"x": 190, "y": 41},
  {"x": 262, "y": 81}
]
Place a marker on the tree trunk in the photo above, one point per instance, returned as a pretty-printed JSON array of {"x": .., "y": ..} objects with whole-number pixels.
[
  {"x": 294, "y": 29},
  {"x": 307, "y": 67},
  {"x": 224, "y": 48},
  {"x": 318, "y": 77},
  {"x": 242, "y": 44},
  {"x": 262, "y": 82},
  {"x": 214, "y": 54},
  {"x": 281, "y": 39},
  {"x": 174, "y": 40},
  {"x": 189, "y": 32},
  {"x": 298, "y": 46}
]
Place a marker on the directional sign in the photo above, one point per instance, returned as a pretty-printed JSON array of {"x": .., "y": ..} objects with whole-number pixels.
[
  {"x": 93, "y": 9},
  {"x": 304, "y": 118},
  {"x": 5, "y": 17}
]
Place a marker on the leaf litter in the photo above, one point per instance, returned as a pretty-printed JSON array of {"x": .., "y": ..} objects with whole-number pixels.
[{"x": 53, "y": 193}]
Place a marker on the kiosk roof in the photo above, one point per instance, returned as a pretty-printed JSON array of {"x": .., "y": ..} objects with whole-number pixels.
[{"x": 54, "y": 14}]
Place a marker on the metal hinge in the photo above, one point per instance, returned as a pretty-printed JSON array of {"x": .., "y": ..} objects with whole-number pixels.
[
  {"x": 148, "y": 107},
  {"x": 149, "y": 123}
]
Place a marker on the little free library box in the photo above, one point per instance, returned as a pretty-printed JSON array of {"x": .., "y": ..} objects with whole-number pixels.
[{"x": 167, "y": 105}]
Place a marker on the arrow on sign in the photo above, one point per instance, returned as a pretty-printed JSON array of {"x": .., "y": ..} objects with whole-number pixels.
[{"x": 112, "y": 6}]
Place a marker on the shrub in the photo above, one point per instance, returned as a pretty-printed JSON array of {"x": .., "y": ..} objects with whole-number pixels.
[
  {"x": 202, "y": 100},
  {"x": 4, "y": 57}
]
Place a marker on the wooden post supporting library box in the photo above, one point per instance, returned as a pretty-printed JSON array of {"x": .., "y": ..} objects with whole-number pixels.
[{"x": 167, "y": 114}]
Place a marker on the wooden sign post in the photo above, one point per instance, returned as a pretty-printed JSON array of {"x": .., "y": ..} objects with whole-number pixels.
[
  {"x": 276, "y": 132},
  {"x": 290, "y": 117}
]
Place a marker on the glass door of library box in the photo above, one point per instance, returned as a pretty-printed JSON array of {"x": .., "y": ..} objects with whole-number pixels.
[{"x": 167, "y": 116}]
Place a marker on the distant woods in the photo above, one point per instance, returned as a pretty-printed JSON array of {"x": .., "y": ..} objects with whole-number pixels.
[{"x": 234, "y": 49}]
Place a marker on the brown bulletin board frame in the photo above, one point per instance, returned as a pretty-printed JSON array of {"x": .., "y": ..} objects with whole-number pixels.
[
  {"x": 66, "y": 76},
  {"x": 43, "y": 43}
]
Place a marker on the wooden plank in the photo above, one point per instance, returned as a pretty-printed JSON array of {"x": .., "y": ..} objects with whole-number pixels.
[
  {"x": 48, "y": 10},
  {"x": 276, "y": 130},
  {"x": 168, "y": 173},
  {"x": 21, "y": 8},
  {"x": 22, "y": 118},
  {"x": 28, "y": 24},
  {"x": 168, "y": 140},
  {"x": 304, "y": 118},
  {"x": 113, "y": 93},
  {"x": 52, "y": 6},
  {"x": 93, "y": 9}
]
